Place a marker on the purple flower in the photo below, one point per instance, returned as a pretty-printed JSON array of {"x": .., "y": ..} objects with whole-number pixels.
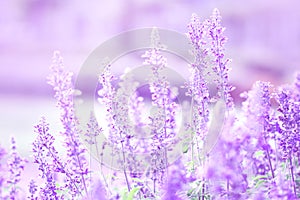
[
  {"x": 220, "y": 66},
  {"x": 289, "y": 131},
  {"x": 15, "y": 167},
  {"x": 63, "y": 86},
  {"x": 197, "y": 85},
  {"x": 257, "y": 108},
  {"x": 297, "y": 86},
  {"x": 162, "y": 96},
  {"x": 176, "y": 181},
  {"x": 32, "y": 190},
  {"x": 2, "y": 180},
  {"x": 98, "y": 192},
  {"x": 225, "y": 175},
  {"x": 46, "y": 156},
  {"x": 162, "y": 122},
  {"x": 120, "y": 128},
  {"x": 106, "y": 97},
  {"x": 93, "y": 131},
  {"x": 289, "y": 121}
]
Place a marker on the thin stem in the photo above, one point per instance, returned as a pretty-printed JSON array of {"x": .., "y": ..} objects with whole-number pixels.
[
  {"x": 192, "y": 127},
  {"x": 63, "y": 168},
  {"x": 203, "y": 189},
  {"x": 80, "y": 166},
  {"x": 270, "y": 163},
  {"x": 124, "y": 167},
  {"x": 154, "y": 181},
  {"x": 269, "y": 157},
  {"x": 101, "y": 165},
  {"x": 165, "y": 132},
  {"x": 292, "y": 175},
  {"x": 227, "y": 188}
]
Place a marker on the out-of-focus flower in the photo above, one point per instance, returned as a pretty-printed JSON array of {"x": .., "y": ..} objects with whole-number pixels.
[
  {"x": 176, "y": 181},
  {"x": 257, "y": 107}
]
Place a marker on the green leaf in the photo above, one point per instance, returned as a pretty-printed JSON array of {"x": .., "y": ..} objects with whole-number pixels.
[
  {"x": 258, "y": 154},
  {"x": 260, "y": 177},
  {"x": 185, "y": 148},
  {"x": 132, "y": 192},
  {"x": 259, "y": 183}
]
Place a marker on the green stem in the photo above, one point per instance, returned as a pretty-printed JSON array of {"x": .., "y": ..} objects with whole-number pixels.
[{"x": 292, "y": 175}]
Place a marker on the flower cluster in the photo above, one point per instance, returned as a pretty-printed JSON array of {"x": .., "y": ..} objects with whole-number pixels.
[
  {"x": 253, "y": 154},
  {"x": 63, "y": 86},
  {"x": 163, "y": 122},
  {"x": 10, "y": 174},
  {"x": 220, "y": 65},
  {"x": 2, "y": 180},
  {"x": 46, "y": 156}
]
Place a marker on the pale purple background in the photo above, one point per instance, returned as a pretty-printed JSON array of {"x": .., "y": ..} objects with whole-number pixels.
[{"x": 264, "y": 43}]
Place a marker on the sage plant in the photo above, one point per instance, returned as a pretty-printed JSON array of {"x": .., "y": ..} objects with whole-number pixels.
[
  {"x": 63, "y": 85},
  {"x": 254, "y": 154}
]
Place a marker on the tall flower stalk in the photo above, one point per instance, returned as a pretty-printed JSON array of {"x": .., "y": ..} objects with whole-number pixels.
[
  {"x": 46, "y": 156},
  {"x": 258, "y": 108},
  {"x": 2, "y": 179},
  {"x": 63, "y": 86},
  {"x": 198, "y": 90},
  {"x": 117, "y": 102},
  {"x": 255, "y": 154},
  {"x": 220, "y": 63},
  {"x": 162, "y": 123},
  {"x": 289, "y": 132},
  {"x": 16, "y": 166}
]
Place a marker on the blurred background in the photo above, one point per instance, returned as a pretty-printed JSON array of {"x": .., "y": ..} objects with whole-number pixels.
[{"x": 264, "y": 44}]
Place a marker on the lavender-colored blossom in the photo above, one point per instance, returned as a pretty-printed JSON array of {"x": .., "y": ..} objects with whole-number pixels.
[
  {"x": 197, "y": 85},
  {"x": 32, "y": 190},
  {"x": 2, "y": 180},
  {"x": 281, "y": 190},
  {"x": 46, "y": 156},
  {"x": 256, "y": 156},
  {"x": 226, "y": 179},
  {"x": 162, "y": 94},
  {"x": 93, "y": 131},
  {"x": 289, "y": 132},
  {"x": 63, "y": 86},
  {"x": 15, "y": 167},
  {"x": 176, "y": 180},
  {"x": 98, "y": 192},
  {"x": 220, "y": 65},
  {"x": 136, "y": 108},
  {"x": 162, "y": 123},
  {"x": 297, "y": 86},
  {"x": 289, "y": 137},
  {"x": 106, "y": 98},
  {"x": 121, "y": 129},
  {"x": 257, "y": 108}
]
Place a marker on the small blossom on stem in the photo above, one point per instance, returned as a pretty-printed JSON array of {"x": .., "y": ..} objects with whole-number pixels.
[
  {"x": 46, "y": 156},
  {"x": 32, "y": 190},
  {"x": 220, "y": 66},
  {"x": 15, "y": 165},
  {"x": 2, "y": 180},
  {"x": 63, "y": 86}
]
